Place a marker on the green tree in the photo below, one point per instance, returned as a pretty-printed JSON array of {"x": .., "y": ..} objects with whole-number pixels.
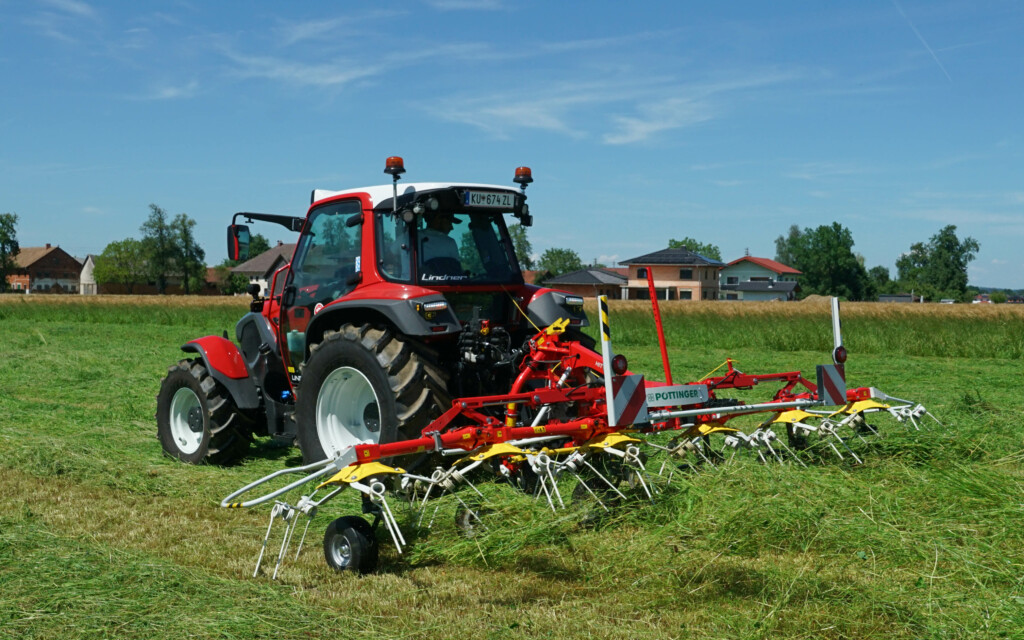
[
  {"x": 122, "y": 262},
  {"x": 8, "y": 247},
  {"x": 189, "y": 256},
  {"x": 940, "y": 265},
  {"x": 784, "y": 246},
  {"x": 997, "y": 297},
  {"x": 559, "y": 261},
  {"x": 825, "y": 257},
  {"x": 158, "y": 242},
  {"x": 705, "y": 249},
  {"x": 522, "y": 246}
]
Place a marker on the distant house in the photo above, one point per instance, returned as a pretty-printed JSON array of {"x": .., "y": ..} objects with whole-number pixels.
[
  {"x": 678, "y": 273},
  {"x": 535, "y": 276},
  {"x": 260, "y": 270},
  {"x": 752, "y": 278},
  {"x": 899, "y": 297},
  {"x": 591, "y": 283},
  {"x": 86, "y": 280},
  {"x": 45, "y": 270}
]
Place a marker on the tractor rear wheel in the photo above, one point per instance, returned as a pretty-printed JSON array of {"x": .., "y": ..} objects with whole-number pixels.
[
  {"x": 365, "y": 385},
  {"x": 196, "y": 419}
]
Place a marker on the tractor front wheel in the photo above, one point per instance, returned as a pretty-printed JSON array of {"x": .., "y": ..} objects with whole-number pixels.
[{"x": 196, "y": 419}]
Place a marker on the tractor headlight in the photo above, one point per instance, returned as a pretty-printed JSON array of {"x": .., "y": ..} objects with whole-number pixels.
[{"x": 429, "y": 310}]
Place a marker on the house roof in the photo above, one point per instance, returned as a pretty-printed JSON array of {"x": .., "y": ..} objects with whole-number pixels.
[
  {"x": 673, "y": 256},
  {"x": 761, "y": 286},
  {"x": 530, "y": 276},
  {"x": 771, "y": 265},
  {"x": 589, "y": 277},
  {"x": 29, "y": 255},
  {"x": 265, "y": 262}
]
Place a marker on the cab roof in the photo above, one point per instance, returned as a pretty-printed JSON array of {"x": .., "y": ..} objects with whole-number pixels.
[{"x": 382, "y": 192}]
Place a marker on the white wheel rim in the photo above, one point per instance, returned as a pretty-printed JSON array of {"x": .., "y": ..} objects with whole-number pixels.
[
  {"x": 347, "y": 412},
  {"x": 341, "y": 550},
  {"x": 185, "y": 401}
]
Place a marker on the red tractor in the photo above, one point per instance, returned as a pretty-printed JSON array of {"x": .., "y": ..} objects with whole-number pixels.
[{"x": 395, "y": 301}]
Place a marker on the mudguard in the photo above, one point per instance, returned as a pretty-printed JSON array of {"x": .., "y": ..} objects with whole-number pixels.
[
  {"x": 224, "y": 361},
  {"x": 399, "y": 313}
]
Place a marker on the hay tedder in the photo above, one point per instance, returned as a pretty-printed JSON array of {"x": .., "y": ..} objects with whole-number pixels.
[{"x": 403, "y": 352}]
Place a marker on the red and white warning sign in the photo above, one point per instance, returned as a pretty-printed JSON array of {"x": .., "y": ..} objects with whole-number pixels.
[
  {"x": 628, "y": 401},
  {"x": 832, "y": 384}
]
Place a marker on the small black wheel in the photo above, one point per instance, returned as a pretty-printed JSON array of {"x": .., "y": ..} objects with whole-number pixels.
[
  {"x": 196, "y": 419},
  {"x": 350, "y": 545}
]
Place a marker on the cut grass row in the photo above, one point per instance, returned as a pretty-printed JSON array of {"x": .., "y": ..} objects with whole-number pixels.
[{"x": 101, "y": 536}]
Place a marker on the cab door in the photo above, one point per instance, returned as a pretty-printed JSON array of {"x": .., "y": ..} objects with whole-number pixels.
[{"x": 325, "y": 268}]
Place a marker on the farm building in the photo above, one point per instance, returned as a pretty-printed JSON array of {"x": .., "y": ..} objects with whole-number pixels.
[
  {"x": 45, "y": 270},
  {"x": 260, "y": 269}
]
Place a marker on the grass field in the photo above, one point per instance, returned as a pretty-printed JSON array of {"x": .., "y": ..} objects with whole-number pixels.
[{"x": 101, "y": 536}]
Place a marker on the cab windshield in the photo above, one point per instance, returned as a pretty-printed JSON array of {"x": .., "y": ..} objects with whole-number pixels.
[{"x": 447, "y": 248}]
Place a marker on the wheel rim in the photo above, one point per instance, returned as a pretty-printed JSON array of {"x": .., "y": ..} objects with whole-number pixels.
[
  {"x": 347, "y": 411},
  {"x": 341, "y": 551},
  {"x": 186, "y": 410}
]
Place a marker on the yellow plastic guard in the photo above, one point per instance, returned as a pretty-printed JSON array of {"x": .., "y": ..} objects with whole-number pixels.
[
  {"x": 796, "y": 415},
  {"x": 609, "y": 440},
  {"x": 863, "y": 405},
  {"x": 356, "y": 472},
  {"x": 491, "y": 450},
  {"x": 707, "y": 428}
]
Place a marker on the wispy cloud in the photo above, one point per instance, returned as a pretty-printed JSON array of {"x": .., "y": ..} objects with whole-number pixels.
[
  {"x": 691, "y": 104},
  {"x": 324, "y": 74},
  {"x": 171, "y": 92},
  {"x": 818, "y": 170},
  {"x": 72, "y": 7},
  {"x": 466, "y": 5}
]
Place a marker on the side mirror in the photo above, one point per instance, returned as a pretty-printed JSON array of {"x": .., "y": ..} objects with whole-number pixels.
[{"x": 238, "y": 242}]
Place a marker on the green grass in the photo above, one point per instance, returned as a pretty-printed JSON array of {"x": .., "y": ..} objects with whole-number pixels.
[{"x": 102, "y": 536}]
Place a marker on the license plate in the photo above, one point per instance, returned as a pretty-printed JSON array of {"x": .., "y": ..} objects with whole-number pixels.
[{"x": 485, "y": 199}]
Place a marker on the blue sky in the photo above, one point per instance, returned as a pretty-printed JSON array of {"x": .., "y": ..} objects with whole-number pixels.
[{"x": 727, "y": 122}]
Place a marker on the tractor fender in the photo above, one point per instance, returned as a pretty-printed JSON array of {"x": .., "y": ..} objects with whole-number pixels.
[
  {"x": 548, "y": 305},
  {"x": 401, "y": 314},
  {"x": 224, "y": 361}
]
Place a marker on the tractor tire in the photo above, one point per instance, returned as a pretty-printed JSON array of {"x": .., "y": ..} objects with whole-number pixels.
[
  {"x": 196, "y": 419},
  {"x": 365, "y": 385}
]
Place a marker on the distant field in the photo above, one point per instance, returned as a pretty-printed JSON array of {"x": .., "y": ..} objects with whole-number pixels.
[{"x": 102, "y": 536}]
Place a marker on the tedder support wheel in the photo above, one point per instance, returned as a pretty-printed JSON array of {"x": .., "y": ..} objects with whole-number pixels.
[
  {"x": 364, "y": 385},
  {"x": 196, "y": 419},
  {"x": 350, "y": 545}
]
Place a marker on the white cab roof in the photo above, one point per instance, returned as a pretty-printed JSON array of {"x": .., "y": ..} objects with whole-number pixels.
[{"x": 383, "y": 192}]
